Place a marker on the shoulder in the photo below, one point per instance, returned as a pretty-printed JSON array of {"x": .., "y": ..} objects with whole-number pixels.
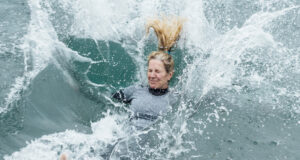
[
  {"x": 135, "y": 87},
  {"x": 173, "y": 95}
]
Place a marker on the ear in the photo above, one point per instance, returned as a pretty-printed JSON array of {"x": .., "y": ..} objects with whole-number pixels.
[{"x": 170, "y": 75}]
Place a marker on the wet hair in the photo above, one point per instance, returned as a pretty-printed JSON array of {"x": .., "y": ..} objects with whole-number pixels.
[
  {"x": 167, "y": 31},
  {"x": 165, "y": 58}
]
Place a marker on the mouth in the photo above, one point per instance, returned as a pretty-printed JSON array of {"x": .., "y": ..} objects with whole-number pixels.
[{"x": 152, "y": 81}]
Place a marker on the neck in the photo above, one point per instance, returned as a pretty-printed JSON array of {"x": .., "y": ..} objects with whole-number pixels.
[{"x": 158, "y": 91}]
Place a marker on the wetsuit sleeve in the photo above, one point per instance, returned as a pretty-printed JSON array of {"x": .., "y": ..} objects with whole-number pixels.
[{"x": 124, "y": 95}]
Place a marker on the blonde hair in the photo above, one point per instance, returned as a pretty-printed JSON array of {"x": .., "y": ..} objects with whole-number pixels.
[
  {"x": 167, "y": 31},
  {"x": 165, "y": 58}
]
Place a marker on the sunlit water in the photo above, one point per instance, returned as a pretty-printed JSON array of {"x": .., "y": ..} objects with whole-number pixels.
[{"x": 237, "y": 77}]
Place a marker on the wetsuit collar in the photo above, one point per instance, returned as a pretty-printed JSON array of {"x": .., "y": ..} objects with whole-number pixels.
[{"x": 158, "y": 92}]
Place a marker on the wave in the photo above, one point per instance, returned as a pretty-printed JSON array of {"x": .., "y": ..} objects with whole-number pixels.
[{"x": 237, "y": 74}]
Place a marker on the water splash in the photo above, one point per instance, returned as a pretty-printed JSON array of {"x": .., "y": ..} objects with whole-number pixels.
[{"x": 239, "y": 87}]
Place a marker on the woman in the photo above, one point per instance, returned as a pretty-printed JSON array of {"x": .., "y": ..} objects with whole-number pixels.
[{"x": 149, "y": 102}]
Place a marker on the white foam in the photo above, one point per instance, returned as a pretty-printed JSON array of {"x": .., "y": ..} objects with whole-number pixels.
[
  {"x": 74, "y": 144},
  {"x": 13, "y": 94},
  {"x": 38, "y": 47},
  {"x": 224, "y": 59},
  {"x": 110, "y": 127},
  {"x": 198, "y": 33},
  {"x": 105, "y": 20},
  {"x": 219, "y": 69},
  {"x": 37, "y": 50},
  {"x": 261, "y": 19},
  {"x": 101, "y": 19}
]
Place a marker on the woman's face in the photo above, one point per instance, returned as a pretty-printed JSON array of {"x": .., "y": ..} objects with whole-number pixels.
[{"x": 157, "y": 75}]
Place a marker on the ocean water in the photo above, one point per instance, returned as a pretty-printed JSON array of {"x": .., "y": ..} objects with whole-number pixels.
[{"x": 237, "y": 74}]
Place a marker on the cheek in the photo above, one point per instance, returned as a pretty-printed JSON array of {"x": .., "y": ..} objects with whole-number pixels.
[
  {"x": 163, "y": 77},
  {"x": 160, "y": 76}
]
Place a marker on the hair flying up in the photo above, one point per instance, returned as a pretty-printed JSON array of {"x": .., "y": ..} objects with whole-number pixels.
[{"x": 167, "y": 31}]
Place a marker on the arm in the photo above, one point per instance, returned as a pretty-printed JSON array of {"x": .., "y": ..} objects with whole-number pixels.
[
  {"x": 120, "y": 96},
  {"x": 125, "y": 95}
]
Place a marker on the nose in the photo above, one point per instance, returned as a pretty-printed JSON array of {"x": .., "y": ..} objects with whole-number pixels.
[{"x": 152, "y": 74}]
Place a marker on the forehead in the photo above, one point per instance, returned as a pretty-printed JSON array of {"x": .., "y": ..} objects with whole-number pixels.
[{"x": 156, "y": 64}]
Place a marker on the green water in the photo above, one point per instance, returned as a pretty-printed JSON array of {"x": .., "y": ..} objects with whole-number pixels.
[{"x": 237, "y": 74}]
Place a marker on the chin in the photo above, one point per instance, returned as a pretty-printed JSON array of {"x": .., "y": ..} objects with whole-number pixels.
[{"x": 153, "y": 86}]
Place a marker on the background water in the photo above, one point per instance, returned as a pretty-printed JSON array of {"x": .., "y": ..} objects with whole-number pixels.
[{"x": 237, "y": 76}]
